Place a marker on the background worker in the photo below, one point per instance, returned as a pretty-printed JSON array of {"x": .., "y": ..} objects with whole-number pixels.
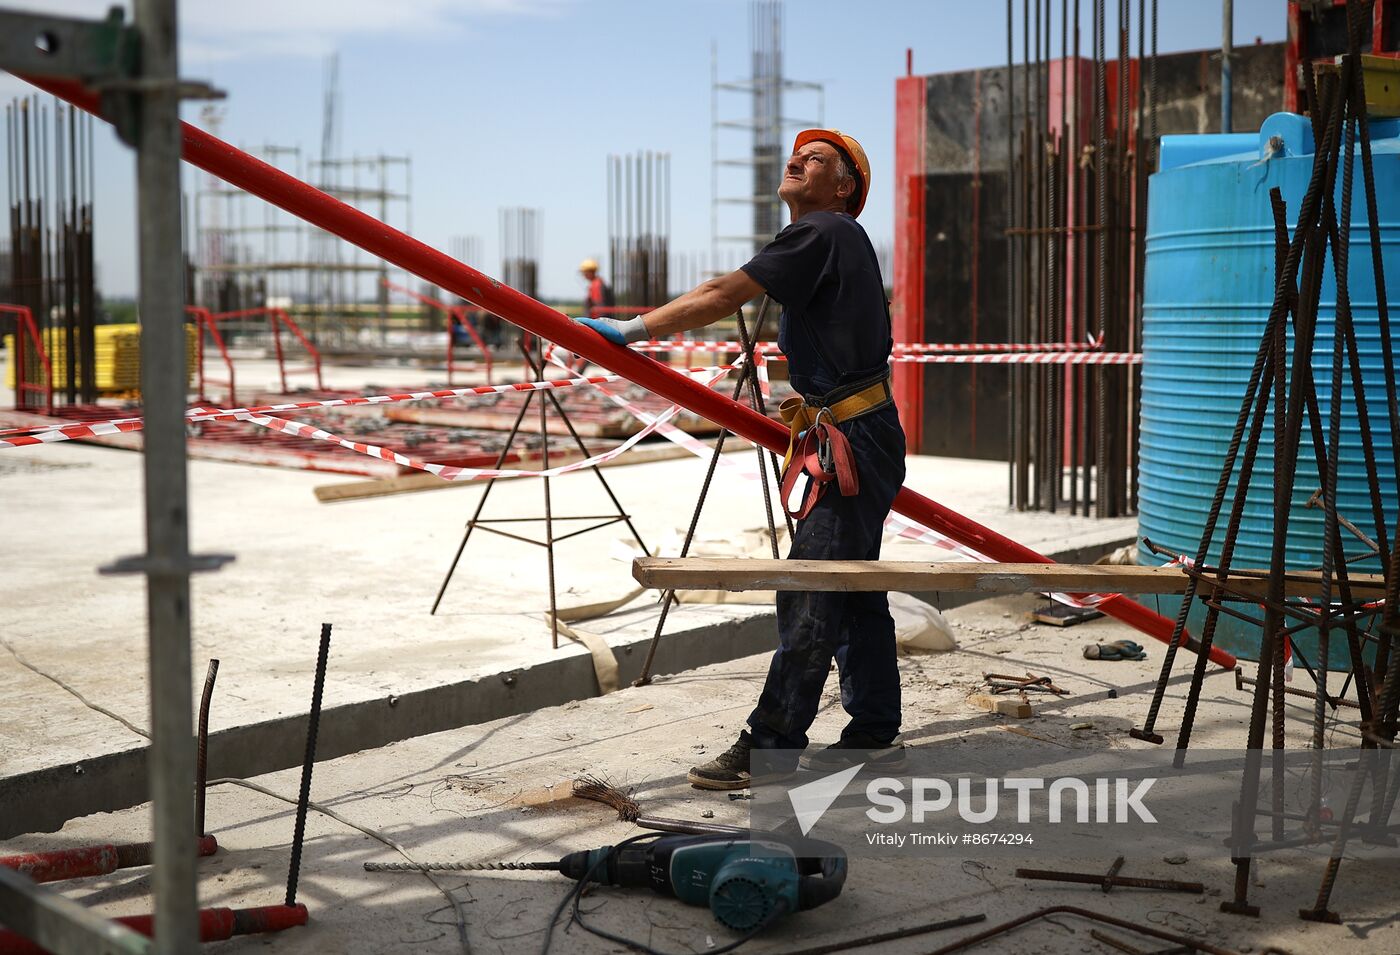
[
  {"x": 598, "y": 294},
  {"x": 835, "y": 332}
]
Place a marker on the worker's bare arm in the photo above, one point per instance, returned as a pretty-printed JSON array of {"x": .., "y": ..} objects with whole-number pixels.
[{"x": 706, "y": 303}]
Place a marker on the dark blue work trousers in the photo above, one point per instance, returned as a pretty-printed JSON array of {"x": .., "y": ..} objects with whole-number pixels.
[{"x": 854, "y": 628}]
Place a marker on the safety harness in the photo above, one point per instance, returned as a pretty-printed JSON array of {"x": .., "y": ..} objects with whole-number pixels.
[{"x": 817, "y": 446}]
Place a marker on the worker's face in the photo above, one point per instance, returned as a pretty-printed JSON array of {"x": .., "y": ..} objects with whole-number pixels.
[
  {"x": 812, "y": 180},
  {"x": 588, "y": 274}
]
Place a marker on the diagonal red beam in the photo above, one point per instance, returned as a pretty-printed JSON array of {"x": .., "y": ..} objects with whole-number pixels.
[{"x": 236, "y": 167}]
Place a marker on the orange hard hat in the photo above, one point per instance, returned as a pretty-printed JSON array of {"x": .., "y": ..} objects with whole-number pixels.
[{"x": 849, "y": 148}]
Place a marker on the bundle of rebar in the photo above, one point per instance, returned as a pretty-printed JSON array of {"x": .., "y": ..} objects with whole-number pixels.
[
  {"x": 49, "y": 175},
  {"x": 1282, "y": 391},
  {"x": 1076, "y": 211},
  {"x": 639, "y": 227},
  {"x": 520, "y": 249}
]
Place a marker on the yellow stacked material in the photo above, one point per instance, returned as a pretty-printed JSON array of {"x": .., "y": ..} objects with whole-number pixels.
[
  {"x": 1381, "y": 78},
  {"x": 117, "y": 352}
]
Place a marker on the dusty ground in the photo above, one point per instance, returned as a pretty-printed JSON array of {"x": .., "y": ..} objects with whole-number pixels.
[{"x": 464, "y": 795}]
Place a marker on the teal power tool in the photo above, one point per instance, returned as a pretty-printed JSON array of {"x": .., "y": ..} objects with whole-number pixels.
[{"x": 746, "y": 881}]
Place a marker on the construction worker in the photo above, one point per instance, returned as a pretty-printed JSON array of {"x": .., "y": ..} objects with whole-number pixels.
[
  {"x": 835, "y": 331},
  {"x": 599, "y": 295}
]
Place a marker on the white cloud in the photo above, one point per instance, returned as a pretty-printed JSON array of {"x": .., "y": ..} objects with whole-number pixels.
[{"x": 219, "y": 30}]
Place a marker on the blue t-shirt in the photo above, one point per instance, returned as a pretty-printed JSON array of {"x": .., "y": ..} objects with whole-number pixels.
[{"x": 835, "y": 326}]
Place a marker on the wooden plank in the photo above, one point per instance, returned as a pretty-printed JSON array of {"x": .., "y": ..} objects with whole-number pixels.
[
  {"x": 713, "y": 573},
  {"x": 409, "y": 483}
]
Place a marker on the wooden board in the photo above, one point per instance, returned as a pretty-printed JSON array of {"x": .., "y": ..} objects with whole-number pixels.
[
  {"x": 1012, "y": 706},
  {"x": 722, "y": 573}
]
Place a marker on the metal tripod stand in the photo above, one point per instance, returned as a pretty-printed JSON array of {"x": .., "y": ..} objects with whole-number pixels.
[
  {"x": 748, "y": 375},
  {"x": 535, "y": 366}
]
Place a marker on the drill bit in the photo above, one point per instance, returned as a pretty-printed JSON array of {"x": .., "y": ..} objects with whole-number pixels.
[{"x": 460, "y": 866}]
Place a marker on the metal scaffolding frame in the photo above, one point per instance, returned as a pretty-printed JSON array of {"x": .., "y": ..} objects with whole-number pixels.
[
  {"x": 136, "y": 67},
  {"x": 765, "y": 90}
]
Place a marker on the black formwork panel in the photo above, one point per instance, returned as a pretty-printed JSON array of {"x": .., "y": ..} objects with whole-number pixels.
[
  {"x": 966, "y": 406},
  {"x": 965, "y": 291}
]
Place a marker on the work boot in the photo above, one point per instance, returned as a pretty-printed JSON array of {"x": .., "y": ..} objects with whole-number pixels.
[
  {"x": 857, "y": 748},
  {"x": 730, "y": 769}
]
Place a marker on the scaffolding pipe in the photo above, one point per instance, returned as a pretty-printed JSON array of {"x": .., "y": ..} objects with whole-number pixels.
[
  {"x": 236, "y": 167},
  {"x": 1227, "y": 52}
]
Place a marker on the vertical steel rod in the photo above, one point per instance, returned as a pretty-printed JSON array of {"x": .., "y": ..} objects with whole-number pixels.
[
  {"x": 202, "y": 748},
  {"x": 313, "y": 722},
  {"x": 1227, "y": 48}
]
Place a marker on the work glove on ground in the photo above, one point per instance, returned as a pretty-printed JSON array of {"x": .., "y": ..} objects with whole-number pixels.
[
  {"x": 1117, "y": 650},
  {"x": 619, "y": 331}
]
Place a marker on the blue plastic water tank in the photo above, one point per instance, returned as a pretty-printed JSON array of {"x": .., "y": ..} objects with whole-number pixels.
[{"x": 1207, "y": 293}]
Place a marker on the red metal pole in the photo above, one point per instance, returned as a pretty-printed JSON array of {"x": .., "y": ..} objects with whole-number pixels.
[
  {"x": 236, "y": 167},
  {"x": 215, "y": 925}
]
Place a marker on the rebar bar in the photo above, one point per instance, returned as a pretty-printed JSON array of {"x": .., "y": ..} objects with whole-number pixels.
[{"x": 313, "y": 722}]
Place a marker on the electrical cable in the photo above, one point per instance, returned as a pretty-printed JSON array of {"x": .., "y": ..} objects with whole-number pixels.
[{"x": 457, "y": 909}]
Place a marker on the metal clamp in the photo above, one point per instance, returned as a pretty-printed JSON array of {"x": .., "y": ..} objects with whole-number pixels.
[
  {"x": 143, "y": 564},
  {"x": 67, "y": 46},
  {"x": 103, "y": 54}
]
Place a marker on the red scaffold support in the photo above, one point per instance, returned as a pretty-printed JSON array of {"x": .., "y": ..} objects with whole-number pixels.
[
  {"x": 456, "y": 315},
  {"x": 236, "y": 167},
  {"x": 204, "y": 322},
  {"x": 25, "y": 327},
  {"x": 276, "y": 318}
]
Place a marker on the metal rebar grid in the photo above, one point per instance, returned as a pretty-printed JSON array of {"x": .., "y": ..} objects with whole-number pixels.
[
  {"x": 48, "y": 155},
  {"x": 753, "y": 186},
  {"x": 639, "y": 227},
  {"x": 1076, "y": 210},
  {"x": 520, "y": 249}
]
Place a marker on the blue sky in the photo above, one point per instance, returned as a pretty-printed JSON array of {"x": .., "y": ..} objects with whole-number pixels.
[{"x": 506, "y": 103}]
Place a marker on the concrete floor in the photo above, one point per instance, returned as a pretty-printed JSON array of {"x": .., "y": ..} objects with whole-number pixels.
[
  {"x": 372, "y": 569},
  {"x": 481, "y": 793}
]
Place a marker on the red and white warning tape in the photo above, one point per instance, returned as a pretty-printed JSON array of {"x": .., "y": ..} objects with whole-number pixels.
[
  {"x": 918, "y": 348},
  {"x": 450, "y": 473},
  {"x": 47, "y": 434},
  {"x": 1039, "y": 358}
]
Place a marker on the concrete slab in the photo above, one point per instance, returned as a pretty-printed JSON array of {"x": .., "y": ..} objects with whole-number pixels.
[
  {"x": 371, "y": 568},
  {"x": 477, "y": 794}
]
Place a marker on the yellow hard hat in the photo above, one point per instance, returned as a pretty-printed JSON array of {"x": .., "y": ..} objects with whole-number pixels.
[
  {"x": 588, "y": 265},
  {"x": 848, "y": 147}
]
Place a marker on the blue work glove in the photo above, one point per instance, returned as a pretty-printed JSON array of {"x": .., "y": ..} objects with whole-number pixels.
[{"x": 619, "y": 331}]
